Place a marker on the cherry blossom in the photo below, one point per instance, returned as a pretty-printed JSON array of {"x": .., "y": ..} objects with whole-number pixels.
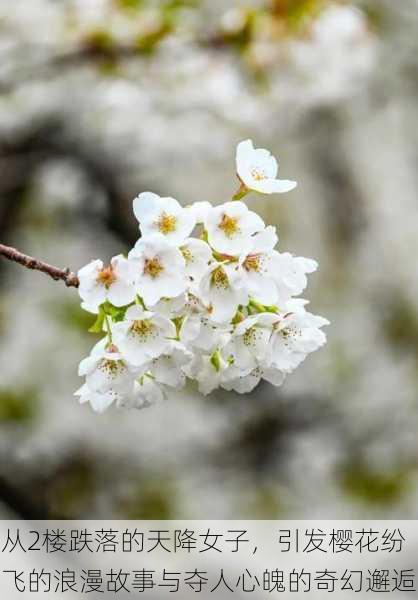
[
  {"x": 222, "y": 290},
  {"x": 142, "y": 335},
  {"x": 230, "y": 227},
  {"x": 99, "y": 283},
  {"x": 257, "y": 170},
  {"x": 159, "y": 269},
  {"x": 164, "y": 216}
]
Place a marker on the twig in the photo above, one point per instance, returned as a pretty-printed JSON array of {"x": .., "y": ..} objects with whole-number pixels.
[{"x": 68, "y": 277}]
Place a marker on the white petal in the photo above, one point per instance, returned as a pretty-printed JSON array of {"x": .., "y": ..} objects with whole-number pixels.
[
  {"x": 200, "y": 210},
  {"x": 146, "y": 205},
  {"x": 121, "y": 293},
  {"x": 93, "y": 296},
  {"x": 244, "y": 384},
  {"x": 265, "y": 240},
  {"x": 87, "y": 365},
  {"x": 275, "y": 186},
  {"x": 245, "y": 150},
  {"x": 100, "y": 402},
  {"x": 89, "y": 271},
  {"x": 197, "y": 255},
  {"x": 273, "y": 376}
]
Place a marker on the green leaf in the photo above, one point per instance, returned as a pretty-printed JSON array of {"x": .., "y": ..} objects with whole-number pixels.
[{"x": 117, "y": 313}]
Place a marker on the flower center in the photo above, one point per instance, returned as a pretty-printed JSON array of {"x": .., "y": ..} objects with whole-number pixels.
[
  {"x": 250, "y": 336},
  {"x": 166, "y": 223},
  {"x": 187, "y": 255},
  {"x": 252, "y": 262},
  {"x": 106, "y": 277},
  {"x": 289, "y": 334},
  {"x": 111, "y": 368},
  {"x": 258, "y": 174},
  {"x": 229, "y": 225},
  {"x": 153, "y": 267},
  {"x": 220, "y": 279},
  {"x": 143, "y": 328}
]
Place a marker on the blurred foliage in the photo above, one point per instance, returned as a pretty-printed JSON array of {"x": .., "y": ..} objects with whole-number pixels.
[
  {"x": 238, "y": 27},
  {"x": 297, "y": 14},
  {"x": 265, "y": 505},
  {"x": 99, "y": 40},
  {"x": 150, "y": 33},
  {"x": 151, "y": 499},
  {"x": 376, "y": 15},
  {"x": 342, "y": 364},
  {"x": 129, "y": 4},
  {"x": 18, "y": 406},
  {"x": 68, "y": 313},
  {"x": 145, "y": 43},
  {"x": 400, "y": 323},
  {"x": 69, "y": 490},
  {"x": 381, "y": 488}
]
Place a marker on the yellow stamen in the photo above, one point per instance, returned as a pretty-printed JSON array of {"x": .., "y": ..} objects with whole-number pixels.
[
  {"x": 153, "y": 267},
  {"x": 229, "y": 225},
  {"x": 252, "y": 262},
  {"x": 166, "y": 223},
  {"x": 106, "y": 276},
  {"x": 187, "y": 255},
  {"x": 258, "y": 174},
  {"x": 220, "y": 278},
  {"x": 112, "y": 368},
  {"x": 142, "y": 328},
  {"x": 251, "y": 335}
]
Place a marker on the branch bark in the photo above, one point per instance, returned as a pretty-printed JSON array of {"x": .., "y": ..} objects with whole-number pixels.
[{"x": 68, "y": 277}]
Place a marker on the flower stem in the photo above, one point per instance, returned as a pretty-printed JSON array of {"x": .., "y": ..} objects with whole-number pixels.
[
  {"x": 109, "y": 329},
  {"x": 139, "y": 302},
  {"x": 241, "y": 192}
]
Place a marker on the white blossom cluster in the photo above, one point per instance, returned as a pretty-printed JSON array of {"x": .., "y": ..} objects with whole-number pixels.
[{"x": 203, "y": 295}]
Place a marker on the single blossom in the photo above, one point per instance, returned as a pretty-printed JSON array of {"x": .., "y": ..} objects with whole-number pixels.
[
  {"x": 112, "y": 282},
  {"x": 295, "y": 335},
  {"x": 230, "y": 228},
  {"x": 258, "y": 267},
  {"x": 163, "y": 215},
  {"x": 222, "y": 290},
  {"x": 249, "y": 343},
  {"x": 142, "y": 335},
  {"x": 257, "y": 170},
  {"x": 106, "y": 370},
  {"x": 159, "y": 269}
]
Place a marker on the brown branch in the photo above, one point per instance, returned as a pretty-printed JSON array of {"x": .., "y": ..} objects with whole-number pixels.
[{"x": 68, "y": 277}]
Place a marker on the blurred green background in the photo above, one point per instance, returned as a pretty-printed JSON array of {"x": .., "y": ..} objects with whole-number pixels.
[{"x": 102, "y": 99}]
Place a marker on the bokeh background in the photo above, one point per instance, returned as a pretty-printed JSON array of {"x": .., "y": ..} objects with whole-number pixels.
[{"x": 102, "y": 99}]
